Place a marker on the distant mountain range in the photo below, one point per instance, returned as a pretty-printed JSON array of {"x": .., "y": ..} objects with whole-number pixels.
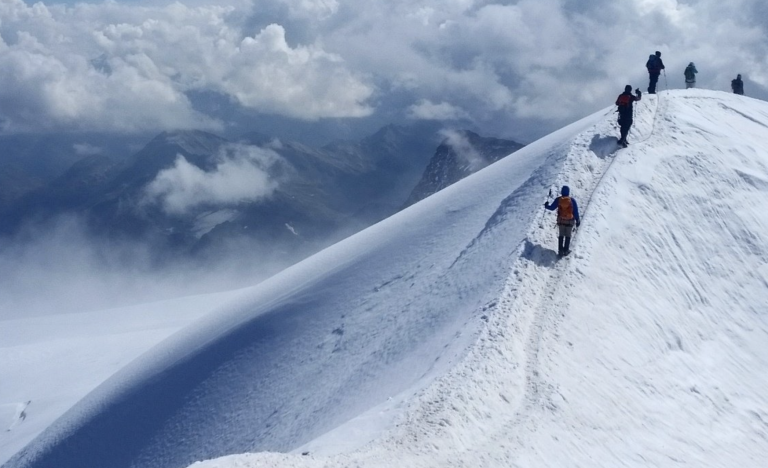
[{"x": 195, "y": 193}]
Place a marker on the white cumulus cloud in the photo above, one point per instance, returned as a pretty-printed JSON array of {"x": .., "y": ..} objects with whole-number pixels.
[
  {"x": 119, "y": 67},
  {"x": 302, "y": 82},
  {"x": 241, "y": 175}
]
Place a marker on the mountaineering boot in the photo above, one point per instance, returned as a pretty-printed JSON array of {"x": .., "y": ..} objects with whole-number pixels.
[
  {"x": 566, "y": 246},
  {"x": 560, "y": 246}
]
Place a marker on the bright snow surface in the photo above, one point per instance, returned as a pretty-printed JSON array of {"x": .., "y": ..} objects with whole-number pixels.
[{"x": 450, "y": 334}]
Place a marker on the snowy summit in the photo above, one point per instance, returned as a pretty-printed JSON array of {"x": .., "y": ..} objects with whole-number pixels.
[{"x": 451, "y": 334}]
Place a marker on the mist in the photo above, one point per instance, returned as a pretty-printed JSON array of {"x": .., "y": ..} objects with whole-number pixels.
[
  {"x": 58, "y": 267},
  {"x": 464, "y": 149}
]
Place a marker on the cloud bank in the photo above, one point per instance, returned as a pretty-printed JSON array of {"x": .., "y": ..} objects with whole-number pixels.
[
  {"x": 524, "y": 68},
  {"x": 427, "y": 110},
  {"x": 123, "y": 68}
]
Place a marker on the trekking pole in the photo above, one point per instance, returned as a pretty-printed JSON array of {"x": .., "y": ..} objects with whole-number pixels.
[
  {"x": 666, "y": 84},
  {"x": 546, "y": 202}
]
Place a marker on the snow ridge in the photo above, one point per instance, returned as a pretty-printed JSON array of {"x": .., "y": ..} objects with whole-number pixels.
[
  {"x": 596, "y": 359},
  {"x": 452, "y": 335},
  {"x": 438, "y": 428},
  {"x": 367, "y": 322},
  {"x": 502, "y": 403}
]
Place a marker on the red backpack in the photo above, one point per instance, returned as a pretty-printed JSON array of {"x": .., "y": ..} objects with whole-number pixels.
[
  {"x": 624, "y": 100},
  {"x": 565, "y": 211}
]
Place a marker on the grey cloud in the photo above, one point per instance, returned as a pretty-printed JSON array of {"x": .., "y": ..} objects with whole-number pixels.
[
  {"x": 519, "y": 69},
  {"x": 115, "y": 67},
  {"x": 47, "y": 85},
  {"x": 314, "y": 9},
  {"x": 543, "y": 63},
  {"x": 428, "y": 110},
  {"x": 86, "y": 149}
]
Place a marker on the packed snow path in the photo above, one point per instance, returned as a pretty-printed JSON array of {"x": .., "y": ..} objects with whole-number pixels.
[{"x": 645, "y": 347}]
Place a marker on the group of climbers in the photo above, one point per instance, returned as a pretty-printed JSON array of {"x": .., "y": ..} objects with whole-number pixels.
[
  {"x": 655, "y": 66},
  {"x": 566, "y": 206},
  {"x": 737, "y": 85}
]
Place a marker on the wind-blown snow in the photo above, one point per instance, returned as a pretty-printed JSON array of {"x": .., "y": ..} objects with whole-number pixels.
[{"x": 450, "y": 335}]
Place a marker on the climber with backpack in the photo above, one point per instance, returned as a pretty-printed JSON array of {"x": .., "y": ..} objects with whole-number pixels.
[
  {"x": 654, "y": 66},
  {"x": 624, "y": 108},
  {"x": 690, "y": 76},
  {"x": 737, "y": 85},
  {"x": 567, "y": 219}
]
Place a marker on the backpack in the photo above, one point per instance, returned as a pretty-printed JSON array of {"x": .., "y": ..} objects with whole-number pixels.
[
  {"x": 565, "y": 211},
  {"x": 625, "y": 100},
  {"x": 624, "y": 103},
  {"x": 689, "y": 75},
  {"x": 652, "y": 63}
]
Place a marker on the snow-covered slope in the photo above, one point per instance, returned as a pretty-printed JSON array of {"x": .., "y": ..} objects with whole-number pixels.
[
  {"x": 366, "y": 322},
  {"x": 48, "y": 363},
  {"x": 449, "y": 334}
]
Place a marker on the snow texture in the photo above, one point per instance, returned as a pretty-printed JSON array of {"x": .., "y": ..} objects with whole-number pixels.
[{"x": 451, "y": 335}]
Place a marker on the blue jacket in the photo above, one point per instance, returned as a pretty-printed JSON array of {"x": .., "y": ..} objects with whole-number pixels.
[{"x": 565, "y": 193}]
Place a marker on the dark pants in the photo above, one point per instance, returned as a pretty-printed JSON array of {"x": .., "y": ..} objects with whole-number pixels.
[
  {"x": 654, "y": 77},
  {"x": 624, "y": 125}
]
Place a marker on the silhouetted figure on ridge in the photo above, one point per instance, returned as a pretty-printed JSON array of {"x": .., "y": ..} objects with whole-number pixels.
[
  {"x": 690, "y": 76},
  {"x": 737, "y": 85},
  {"x": 654, "y": 66}
]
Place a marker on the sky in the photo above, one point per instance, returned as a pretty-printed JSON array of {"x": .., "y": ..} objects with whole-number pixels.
[
  {"x": 450, "y": 334},
  {"x": 316, "y": 70}
]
